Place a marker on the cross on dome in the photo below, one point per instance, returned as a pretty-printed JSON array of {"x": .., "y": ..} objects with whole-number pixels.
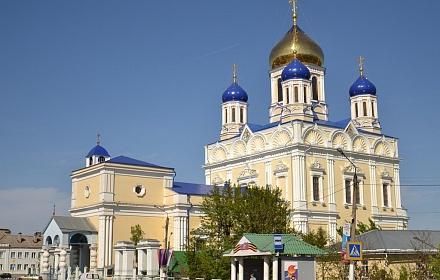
[
  {"x": 361, "y": 64},
  {"x": 234, "y": 71},
  {"x": 294, "y": 15}
]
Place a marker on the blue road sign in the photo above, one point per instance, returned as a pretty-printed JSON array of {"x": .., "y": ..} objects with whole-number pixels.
[
  {"x": 354, "y": 251},
  {"x": 278, "y": 242}
]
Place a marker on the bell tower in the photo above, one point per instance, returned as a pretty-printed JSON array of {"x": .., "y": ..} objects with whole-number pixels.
[{"x": 363, "y": 103}]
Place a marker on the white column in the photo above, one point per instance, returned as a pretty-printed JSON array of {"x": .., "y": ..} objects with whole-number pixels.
[
  {"x": 45, "y": 260},
  {"x": 240, "y": 268},
  {"x": 63, "y": 254},
  {"x": 101, "y": 241},
  {"x": 268, "y": 177},
  {"x": 93, "y": 253},
  {"x": 331, "y": 181},
  {"x": 233, "y": 269},
  {"x": 109, "y": 240},
  {"x": 373, "y": 187},
  {"x": 397, "y": 188},
  {"x": 266, "y": 268},
  {"x": 275, "y": 268}
]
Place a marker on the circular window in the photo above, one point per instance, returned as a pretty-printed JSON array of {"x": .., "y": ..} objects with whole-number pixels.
[{"x": 139, "y": 190}]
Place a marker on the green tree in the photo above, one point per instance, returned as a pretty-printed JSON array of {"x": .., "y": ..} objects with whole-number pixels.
[
  {"x": 434, "y": 264},
  {"x": 361, "y": 227},
  {"x": 229, "y": 212},
  {"x": 318, "y": 238},
  {"x": 137, "y": 234}
]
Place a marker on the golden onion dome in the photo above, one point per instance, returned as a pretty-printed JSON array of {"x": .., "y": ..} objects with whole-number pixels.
[
  {"x": 307, "y": 50},
  {"x": 296, "y": 44}
]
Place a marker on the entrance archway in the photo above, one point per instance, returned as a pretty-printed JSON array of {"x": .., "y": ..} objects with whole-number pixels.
[{"x": 80, "y": 251}]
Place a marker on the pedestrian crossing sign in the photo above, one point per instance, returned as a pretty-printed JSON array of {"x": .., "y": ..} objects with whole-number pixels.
[{"x": 354, "y": 251}]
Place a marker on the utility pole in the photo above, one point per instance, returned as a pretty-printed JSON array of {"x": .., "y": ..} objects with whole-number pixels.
[
  {"x": 166, "y": 245},
  {"x": 353, "y": 211}
]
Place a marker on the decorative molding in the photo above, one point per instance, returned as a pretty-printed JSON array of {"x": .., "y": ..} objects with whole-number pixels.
[
  {"x": 350, "y": 169},
  {"x": 280, "y": 168},
  {"x": 218, "y": 180},
  {"x": 317, "y": 166},
  {"x": 386, "y": 175},
  {"x": 247, "y": 175}
]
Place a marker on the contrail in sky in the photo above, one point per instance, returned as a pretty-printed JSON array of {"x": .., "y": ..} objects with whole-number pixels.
[{"x": 202, "y": 56}]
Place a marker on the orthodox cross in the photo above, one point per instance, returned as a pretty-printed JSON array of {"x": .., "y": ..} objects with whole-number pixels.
[
  {"x": 234, "y": 70},
  {"x": 361, "y": 65},
  {"x": 99, "y": 142},
  {"x": 294, "y": 16}
]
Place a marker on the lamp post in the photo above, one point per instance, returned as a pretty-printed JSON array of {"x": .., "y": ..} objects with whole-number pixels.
[
  {"x": 166, "y": 245},
  {"x": 353, "y": 210}
]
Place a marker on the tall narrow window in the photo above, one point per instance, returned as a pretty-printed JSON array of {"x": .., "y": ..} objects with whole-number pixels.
[
  {"x": 280, "y": 91},
  {"x": 347, "y": 191},
  {"x": 314, "y": 88},
  {"x": 305, "y": 94},
  {"x": 315, "y": 188},
  {"x": 356, "y": 110},
  {"x": 364, "y": 107},
  {"x": 372, "y": 108},
  {"x": 287, "y": 96},
  {"x": 385, "y": 195},
  {"x": 226, "y": 115},
  {"x": 241, "y": 115},
  {"x": 296, "y": 94},
  {"x": 233, "y": 115}
]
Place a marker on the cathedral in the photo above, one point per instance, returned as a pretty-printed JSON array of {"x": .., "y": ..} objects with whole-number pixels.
[{"x": 312, "y": 159}]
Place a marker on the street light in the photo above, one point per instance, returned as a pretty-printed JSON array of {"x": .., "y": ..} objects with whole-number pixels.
[
  {"x": 166, "y": 245},
  {"x": 353, "y": 210}
]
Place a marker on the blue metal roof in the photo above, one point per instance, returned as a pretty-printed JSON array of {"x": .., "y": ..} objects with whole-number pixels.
[
  {"x": 132, "y": 161},
  {"x": 191, "y": 188},
  {"x": 98, "y": 151},
  {"x": 257, "y": 127}
]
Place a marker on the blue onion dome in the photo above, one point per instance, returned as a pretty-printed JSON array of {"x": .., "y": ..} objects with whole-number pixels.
[
  {"x": 362, "y": 86},
  {"x": 234, "y": 92},
  {"x": 98, "y": 151},
  {"x": 295, "y": 70}
]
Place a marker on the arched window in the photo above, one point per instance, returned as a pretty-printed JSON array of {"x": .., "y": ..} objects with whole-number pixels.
[
  {"x": 305, "y": 94},
  {"x": 296, "y": 94},
  {"x": 280, "y": 91},
  {"x": 356, "y": 110},
  {"x": 372, "y": 108},
  {"x": 101, "y": 159},
  {"x": 364, "y": 107},
  {"x": 90, "y": 160},
  {"x": 287, "y": 95},
  {"x": 314, "y": 88},
  {"x": 226, "y": 115},
  {"x": 233, "y": 115},
  {"x": 48, "y": 240},
  {"x": 241, "y": 115}
]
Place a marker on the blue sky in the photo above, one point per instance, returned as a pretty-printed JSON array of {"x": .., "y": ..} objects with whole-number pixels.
[{"x": 149, "y": 75}]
